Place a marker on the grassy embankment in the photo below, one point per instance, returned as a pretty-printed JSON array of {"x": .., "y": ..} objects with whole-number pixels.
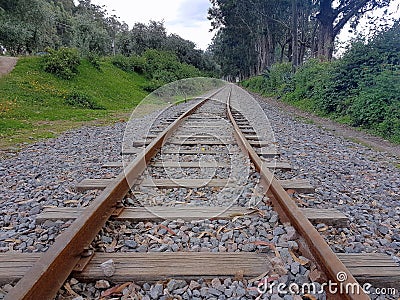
[{"x": 34, "y": 104}]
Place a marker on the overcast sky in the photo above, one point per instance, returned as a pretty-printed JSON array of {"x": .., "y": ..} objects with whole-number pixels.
[{"x": 187, "y": 18}]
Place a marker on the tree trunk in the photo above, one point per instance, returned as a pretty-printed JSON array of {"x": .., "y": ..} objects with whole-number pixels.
[
  {"x": 325, "y": 41},
  {"x": 295, "y": 36},
  {"x": 326, "y": 18},
  {"x": 314, "y": 48},
  {"x": 283, "y": 46},
  {"x": 270, "y": 47}
]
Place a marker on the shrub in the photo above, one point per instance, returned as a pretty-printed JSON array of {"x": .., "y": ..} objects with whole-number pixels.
[
  {"x": 152, "y": 85},
  {"x": 280, "y": 78},
  {"x": 311, "y": 84},
  {"x": 80, "y": 100},
  {"x": 94, "y": 60},
  {"x": 257, "y": 84},
  {"x": 62, "y": 63},
  {"x": 132, "y": 63},
  {"x": 121, "y": 62},
  {"x": 160, "y": 67}
]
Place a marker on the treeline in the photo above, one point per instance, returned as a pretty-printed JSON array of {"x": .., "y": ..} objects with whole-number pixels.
[
  {"x": 252, "y": 35},
  {"x": 361, "y": 89},
  {"x": 32, "y": 26}
]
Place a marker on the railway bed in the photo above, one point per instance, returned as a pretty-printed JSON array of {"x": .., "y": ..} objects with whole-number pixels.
[{"x": 238, "y": 235}]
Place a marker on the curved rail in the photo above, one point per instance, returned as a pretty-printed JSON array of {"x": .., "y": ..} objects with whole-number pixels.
[
  {"x": 49, "y": 273},
  {"x": 323, "y": 255}
]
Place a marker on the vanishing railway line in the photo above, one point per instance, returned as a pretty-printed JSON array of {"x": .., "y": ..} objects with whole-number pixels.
[{"x": 196, "y": 202}]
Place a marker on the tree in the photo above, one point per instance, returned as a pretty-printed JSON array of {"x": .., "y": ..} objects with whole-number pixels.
[
  {"x": 334, "y": 15},
  {"x": 254, "y": 27},
  {"x": 261, "y": 32},
  {"x": 27, "y": 26}
]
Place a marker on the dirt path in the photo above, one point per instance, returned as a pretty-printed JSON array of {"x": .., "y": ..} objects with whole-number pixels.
[
  {"x": 348, "y": 132},
  {"x": 7, "y": 64}
]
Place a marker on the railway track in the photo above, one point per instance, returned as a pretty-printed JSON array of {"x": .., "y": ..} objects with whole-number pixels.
[{"x": 196, "y": 202}]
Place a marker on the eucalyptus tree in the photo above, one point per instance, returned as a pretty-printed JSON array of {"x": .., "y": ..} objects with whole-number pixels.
[
  {"x": 255, "y": 28},
  {"x": 333, "y": 15}
]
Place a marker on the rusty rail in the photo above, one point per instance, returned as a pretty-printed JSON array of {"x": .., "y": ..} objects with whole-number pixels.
[
  {"x": 322, "y": 254},
  {"x": 48, "y": 274}
]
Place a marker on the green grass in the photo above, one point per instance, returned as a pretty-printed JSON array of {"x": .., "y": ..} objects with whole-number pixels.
[{"x": 33, "y": 102}]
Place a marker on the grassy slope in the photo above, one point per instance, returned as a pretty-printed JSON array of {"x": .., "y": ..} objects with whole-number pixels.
[{"x": 32, "y": 101}]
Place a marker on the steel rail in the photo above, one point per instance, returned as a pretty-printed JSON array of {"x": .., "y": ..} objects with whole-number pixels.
[
  {"x": 289, "y": 211},
  {"x": 48, "y": 274}
]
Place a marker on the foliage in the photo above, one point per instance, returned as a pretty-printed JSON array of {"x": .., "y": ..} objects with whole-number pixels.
[
  {"x": 276, "y": 80},
  {"x": 312, "y": 82},
  {"x": 63, "y": 62},
  {"x": 94, "y": 59},
  {"x": 80, "y": 100},
  {"x": 160, "y": 67},
  {"x": 362, "y": 88},
  {"x": 132, "y": 63}
]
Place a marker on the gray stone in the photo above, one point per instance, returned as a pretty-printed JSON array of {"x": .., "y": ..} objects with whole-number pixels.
[
  {"x": 240, "y": 291},
  {"x": 156, "y": 291},
  {"x": 204, "y": 291},
  {"x": 248, "y": 247},
  {"x": 295, "y": 268},
  {"x": 228, "y": 292},
  {"x": 142, "y": 248},
  {"x": 175, "y": 284},
  {"x": 383, "y": 230},
  {"x": 278, "y": 231},
  {"x": 130, "y": 243},
  {"x": 194, "y": 285},
  {"x": 214, "y": 291}
]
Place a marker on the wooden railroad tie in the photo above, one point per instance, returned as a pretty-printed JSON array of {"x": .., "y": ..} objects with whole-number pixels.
[
  {"x": 150, "y": 267},
  {"x": 203, "y": 118},
  {"x": 194, "y": 151},
  {"x": 190, "y": 213},
  {"x": 186, "y": 136},
  {"x": 130, "y": 151},
  {"x": 177, "y": 164},
  {"x": 187, "y": 142},
  {"x": 376, "y": 269},
  {"x": 264, "y": 153},
  {"x": 299, "y": 185}
]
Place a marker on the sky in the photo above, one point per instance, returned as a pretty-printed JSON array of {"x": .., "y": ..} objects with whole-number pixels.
[{"x": 187, "y": 18}]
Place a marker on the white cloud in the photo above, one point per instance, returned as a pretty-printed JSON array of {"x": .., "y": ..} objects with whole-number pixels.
[{"x": 187, "y": 18}]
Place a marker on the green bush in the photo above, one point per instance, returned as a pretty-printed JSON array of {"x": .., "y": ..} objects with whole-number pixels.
[
  {"x": 310, "y": 85},
  {"x": 132, "y": 63},
  {"x": 121, "y": 62},
  {"x": 256, "y": 84},
  {"x": 377, "y": 105},
  {"x": 152, "y": 85},
  {"x": 94, "y": 60},
  {"x": 163, "y": 67},
  {"x": 62, "y": 63},
  {"x": 276, "y": 81},
  {"x": 80, "y": 100},
  {"x": 160, "y": 67},
  {"x": 280, "y": 78}
]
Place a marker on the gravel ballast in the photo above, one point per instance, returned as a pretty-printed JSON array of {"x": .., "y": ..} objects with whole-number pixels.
[{"x": 362, "y": 183}]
